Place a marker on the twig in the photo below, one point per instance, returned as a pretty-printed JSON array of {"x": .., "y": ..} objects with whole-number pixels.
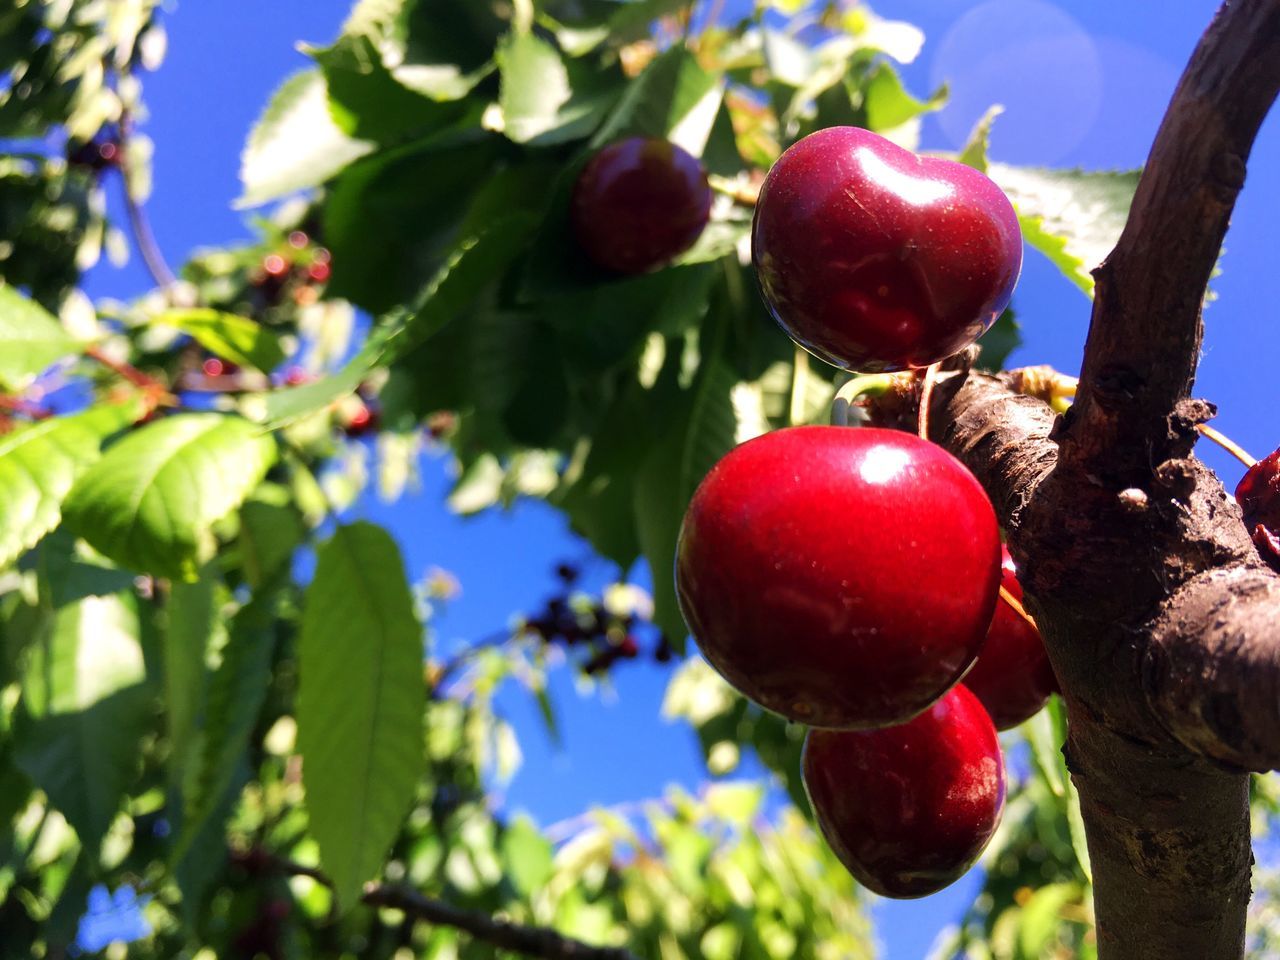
[
  {"x": 127, "y": 371},
  {"x": 144, "y": 237},
  {"x": 23, "y": 406},
  {"x": 538, "y": 942},
  {"x": 1144, "y": 339}
]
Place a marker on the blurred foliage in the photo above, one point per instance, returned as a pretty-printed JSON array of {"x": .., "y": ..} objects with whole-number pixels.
[{"x": 173, "y": 470}]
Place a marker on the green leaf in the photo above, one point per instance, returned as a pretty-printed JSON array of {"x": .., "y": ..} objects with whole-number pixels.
[
  {"x": 87, "y": 706},
  {"x": 69, "y": 570},
  {"x": 39, "y": 465},
  {"x": 673, "y": 98},
  {"x": 975, "y": 149},
  {"x": 535, "y": 86},
  {"x": 414, "y": 216},
  {"x": 235, "y": 695},
  {"x": 1041, "y": 916},
  {"x": 31, "y": 339},
  {"x": 658, "y": 512},
  {"x": 283, "y": 407},
  {"x": 271, "y": 529},
  {"x": 889, "y": 105},
  {"x": 296, "y": 144},
  {"x": 361, "y": 698},
  {"x": 242, "y": 341},
  {"x": 713, "y": 424},
  {"x": 150, "y": 503},
  {"x": 431, "y": 47},
  {"x": 473, "y": 264},
  {"x": 1073, "y": 217},
  {"x": 193, "y": 620},
  {"x": 526, "y": 856}
]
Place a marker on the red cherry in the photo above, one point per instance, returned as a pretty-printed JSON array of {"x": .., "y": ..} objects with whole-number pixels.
[
  {"x": 212, "y": 367},
  {"x": 319, "y": 271},
  {"x": 361, "y": 422},
  {"x": 839, "y": 577},
  {"x": 638, "y": 203},
  {"x": 295, "y": 376},
  {"x": 274, "y": 265},
  {"x": 1012, "y": 676},
  {"x": 875, "y": 259},
  {"x": 908, "y": 809},
  {"x": 1259, "y": 497}
]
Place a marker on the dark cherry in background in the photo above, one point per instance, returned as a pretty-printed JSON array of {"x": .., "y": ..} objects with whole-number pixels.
[
  {"x": 875, "y": 259},
  {"x": 908, "y": 809},
  {"x": 639, "y": 203},
  {"x": 1012, "y": 677},
  {"x": 1259, "y": 497},
  {"x": 839, "y": 577}
]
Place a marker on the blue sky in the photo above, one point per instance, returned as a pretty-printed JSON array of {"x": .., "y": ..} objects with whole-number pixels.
[{"x": 1084, "y": 83}]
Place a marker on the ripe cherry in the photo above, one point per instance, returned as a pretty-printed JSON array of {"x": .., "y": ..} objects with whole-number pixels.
[
  {"x": 875, "y": 259},
  {"x": 638, "y": 203},
  {"x": 1012, "y": 676},
  {"x": 1259, "y": 497},
  {"x": 908, "y": 809},
  {"x": 839, "y": 577}
]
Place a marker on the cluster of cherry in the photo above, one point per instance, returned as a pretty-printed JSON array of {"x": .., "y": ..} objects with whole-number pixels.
[
  {"x": 848, "y": 579},
  {"x": 604, "y": 633}
]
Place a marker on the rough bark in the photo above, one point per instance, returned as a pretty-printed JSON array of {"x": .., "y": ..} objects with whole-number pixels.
[
  {"x": 1166, "y": 713},
  {"x": 1159, "y": 617}
]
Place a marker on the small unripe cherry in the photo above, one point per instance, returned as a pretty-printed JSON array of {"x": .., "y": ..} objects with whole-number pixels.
[
  {"x": 909, "y": 809},
  {"x": 1012, "y": 676},
  {"x": 639, "y": 203}
]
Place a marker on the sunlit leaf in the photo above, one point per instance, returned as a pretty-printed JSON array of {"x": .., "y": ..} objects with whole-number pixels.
[
  {"x": 296, "y": 144},
  {"x": 360, "y": 703},
  {"x": 1073, "y": 217},
  {"x": 151, "y": 501},
  {"x": 31, "y": 339},
  {"x": 231, "y": 337},
  {"x": 39, "y": 465}
]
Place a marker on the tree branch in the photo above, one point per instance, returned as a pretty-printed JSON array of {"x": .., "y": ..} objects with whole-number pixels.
[
  {"x": 144, "y": 237},
  {"x": 542, "y": 943},
  {"x": 1144, "y": 339}
]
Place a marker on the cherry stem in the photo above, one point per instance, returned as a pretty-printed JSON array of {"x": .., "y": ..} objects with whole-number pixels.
[
  {"x": 799, "y": 387},
  {"x": 1227, "y": 444},
  {"x": 128, "y": 372},
  {"x": 1016, "y": 606},
  {"x": 926, "y": 395},
  {"x": 872, "y": 384}
]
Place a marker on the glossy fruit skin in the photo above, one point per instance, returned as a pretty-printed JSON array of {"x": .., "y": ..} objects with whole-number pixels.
[
  {"x": 1012, "y": 676},
  {"x": 639, "y": 203},
  {"x": 841, "y": 577},
  {"x": 875, "y": 259},
  {"x": 908, "y": 809},
  {"x": 1259, "y": 497}
]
